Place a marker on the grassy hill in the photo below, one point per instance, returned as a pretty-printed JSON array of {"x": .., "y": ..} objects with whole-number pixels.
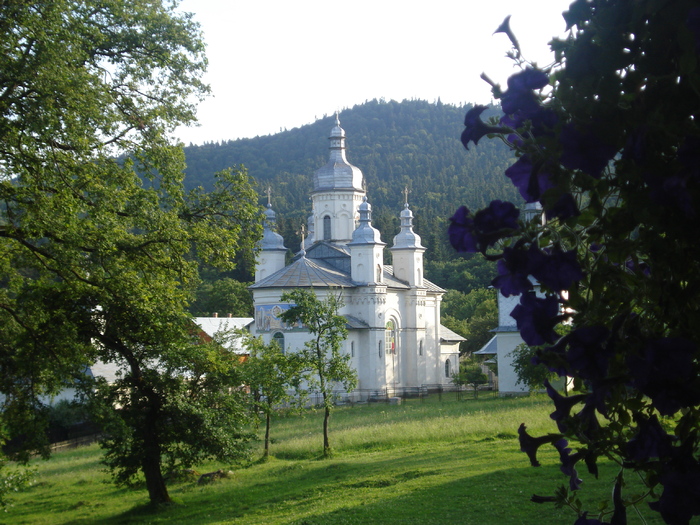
[{"x": 440, "y": 461}]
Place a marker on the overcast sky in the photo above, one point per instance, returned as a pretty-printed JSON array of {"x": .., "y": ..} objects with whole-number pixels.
[{"x": 280, "y": 64}]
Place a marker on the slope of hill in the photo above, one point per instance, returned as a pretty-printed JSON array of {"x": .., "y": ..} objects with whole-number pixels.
[{"x": 412, "y": 144}]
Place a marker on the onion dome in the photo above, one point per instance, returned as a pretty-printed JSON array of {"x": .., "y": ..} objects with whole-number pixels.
[
  {"x": 338, "y": 173},
  {"x": 407, "y": 238},
  {"x": 365, "y": 233}
]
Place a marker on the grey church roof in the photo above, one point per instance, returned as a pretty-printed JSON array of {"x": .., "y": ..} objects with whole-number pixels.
[
  {"x": 305, "y": 273},
  {"x": 448, "y": 335},
  {"x": 489, "y": 348}
]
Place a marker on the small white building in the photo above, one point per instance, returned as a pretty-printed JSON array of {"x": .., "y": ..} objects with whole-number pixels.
[{"x": 395, "y": 340}]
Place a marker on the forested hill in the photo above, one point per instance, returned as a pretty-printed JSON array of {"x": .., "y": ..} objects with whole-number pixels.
[{"x": 396, "y": 144}]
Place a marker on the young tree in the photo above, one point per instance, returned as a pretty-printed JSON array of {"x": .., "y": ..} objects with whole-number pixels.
[
  {"x": 470, "y": 373},
  {"x": 532, "y": 374},
  {"x": 610, "y": 150},
  {"x": 98, "y": 239},
  {"x": 321, "y": 355},
  {"x": 270, "y": 374}
]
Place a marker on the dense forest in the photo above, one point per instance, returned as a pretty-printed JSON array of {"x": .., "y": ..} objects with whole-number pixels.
[
  {"x": 396, "y": 144},
  {"x": 414, "y": 144}
]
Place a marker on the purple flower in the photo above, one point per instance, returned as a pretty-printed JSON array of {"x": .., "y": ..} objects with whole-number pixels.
[
  {"x": 536, "y": 318},
  {"x": 666, "y": 372},
  {"x": 584, "y": 150},
  {"x": 680, "y": 500},
  {"x": 476, "y": 233},
  {"x": 505, "y": 28},
  {"x": 568, "y": 462},
  {"x": 556, "y": 269},
  {"x": 532, "y": 180},
  {"x": 461, "y": 231},
  {"x": 529, "y": 444},
  {"x": 562, "y": 405},
  {"x": 520, "y": 98},
  {"x": 513, "y": 271},
  {"x": 589, "y": 351},
  {"x": 651, "y": 441},
  {"x": 475, "y": 128}
]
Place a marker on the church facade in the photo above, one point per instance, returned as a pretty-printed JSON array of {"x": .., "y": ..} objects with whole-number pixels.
[{"x": 395, "y": 340}]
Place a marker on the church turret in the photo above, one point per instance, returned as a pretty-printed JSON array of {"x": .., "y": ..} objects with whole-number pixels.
[
  {"x": 271, "y": 256},
  {"x": 337, "y": 194},
  {"x": 407, "y": 252},
  {"x": 366, "y": 249}
]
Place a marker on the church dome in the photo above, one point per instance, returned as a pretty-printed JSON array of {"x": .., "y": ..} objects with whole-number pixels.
[
  {"x": 365, "y": 233},
  {"x": 407, "y": 238},
  {"x": 338, "y": 173},
  {"x": 271, "y": 240}
]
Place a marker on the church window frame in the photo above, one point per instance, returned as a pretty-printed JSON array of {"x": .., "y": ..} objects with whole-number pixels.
[
  {"x": 448, "y": 368},
  {"x": 327, "y": 228},
  {"x": 390, "y": 336},
  {"x": 379, "y": 273}
]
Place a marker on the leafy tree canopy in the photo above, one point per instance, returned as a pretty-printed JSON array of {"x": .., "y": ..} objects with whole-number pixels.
[{"x": 98, "y": 237}]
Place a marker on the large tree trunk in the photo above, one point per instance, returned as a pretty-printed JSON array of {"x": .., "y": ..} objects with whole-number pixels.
[
  {"x": 157, "y": 491},
  {"x": 151, "y": 459}
]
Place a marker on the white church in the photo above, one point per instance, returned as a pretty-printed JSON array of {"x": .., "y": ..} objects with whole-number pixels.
[{"x": 395, "y": 340}]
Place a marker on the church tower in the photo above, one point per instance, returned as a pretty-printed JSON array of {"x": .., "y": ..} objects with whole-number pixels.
[
  {"x": 271, "y": 256},
  {"x": 366, "y": 249},
  {"x": 407, "y": 252},
  {"x": 337, "y": 194}
]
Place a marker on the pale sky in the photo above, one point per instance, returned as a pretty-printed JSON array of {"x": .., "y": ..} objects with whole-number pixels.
[{"x": 276, "y": 64}]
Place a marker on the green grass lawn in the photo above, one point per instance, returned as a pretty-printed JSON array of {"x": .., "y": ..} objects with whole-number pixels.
[{"x": 431, "y": 462}]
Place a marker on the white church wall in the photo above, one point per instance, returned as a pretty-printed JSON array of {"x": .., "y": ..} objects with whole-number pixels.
[{"x": 508, "y": 384}]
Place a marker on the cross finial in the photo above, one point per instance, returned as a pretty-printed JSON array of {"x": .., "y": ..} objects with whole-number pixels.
[
  {"x": 269, "y": 193},
  {"x": 405, "y": 195}
]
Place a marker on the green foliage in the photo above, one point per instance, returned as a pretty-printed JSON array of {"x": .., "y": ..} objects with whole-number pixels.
[
  {"x": 326, "y": 367},
  {"x": 190, "y": 410},
  {"x": 222, "y": 296},
  {"x": 12, "y": 479},
  {"x": 99, "y": 239},
  {"x": 271, "y": 375},
  {"x": 471, "y": 374},
  {"x": 530, "y": 374},
  {"x": 472, "y": 315}
]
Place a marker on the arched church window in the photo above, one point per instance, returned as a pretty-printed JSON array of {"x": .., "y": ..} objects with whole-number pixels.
[
  {"x": 448, "y": 368},
  {"x": 380, "y": 349},
  {"x": 390, "y": 337},
  {"x": 379, "y": 273},
  {"x": 420, "y": 347},
  {"x": 327, "y": 227},
  {"x": 279, "y": 339},
  {"x": 352, "y": 348}
]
